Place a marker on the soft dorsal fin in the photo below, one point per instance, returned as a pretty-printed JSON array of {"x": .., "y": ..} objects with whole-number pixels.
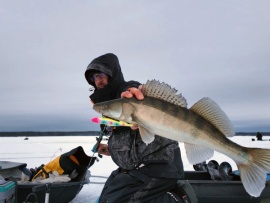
[
  {"x": 210, "y": 110},
  {"x": 162, "y": 91}
]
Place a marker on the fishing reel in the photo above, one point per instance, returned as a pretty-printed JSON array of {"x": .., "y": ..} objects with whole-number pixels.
[
  {"x": 106, "y": 131},
  {"x": 96, "y": 146}
]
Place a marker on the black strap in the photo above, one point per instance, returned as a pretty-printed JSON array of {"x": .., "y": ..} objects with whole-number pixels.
[
  {"x": 47, "y": 174},
  {"x": 186, "y": 192}
]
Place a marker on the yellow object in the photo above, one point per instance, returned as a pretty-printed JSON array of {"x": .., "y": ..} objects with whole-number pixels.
[
  {"x": 50, "y": 167},
  {"x": 110, "y": 122}
]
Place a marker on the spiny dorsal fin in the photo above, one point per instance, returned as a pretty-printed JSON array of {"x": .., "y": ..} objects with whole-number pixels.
[
  {"x": 162, "y": 91},
  {"x": 210, "y": 110}
]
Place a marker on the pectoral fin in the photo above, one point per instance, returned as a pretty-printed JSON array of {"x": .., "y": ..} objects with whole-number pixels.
[
  {"x": 146, "y": 135},
  {"x": 197, "y": 154}
]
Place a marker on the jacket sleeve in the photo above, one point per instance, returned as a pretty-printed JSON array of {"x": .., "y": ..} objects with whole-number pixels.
[
  {"x": 127, "y": 85},
  {"x": 110, "y": 91}
]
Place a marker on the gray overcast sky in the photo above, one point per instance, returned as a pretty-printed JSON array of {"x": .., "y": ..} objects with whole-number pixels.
[{"x": 218, "y": 49}]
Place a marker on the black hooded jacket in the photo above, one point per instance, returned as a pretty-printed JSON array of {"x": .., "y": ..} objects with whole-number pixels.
[
  {"x": 153, "y": 168},
  {"x": 108, "y": 64}
]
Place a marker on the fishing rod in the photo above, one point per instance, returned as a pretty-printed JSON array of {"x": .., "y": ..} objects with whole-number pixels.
[
  {"x": 107, "y": 123},
  {"x": 96, "y": 146},
  {"x": 106, "y": 130}
]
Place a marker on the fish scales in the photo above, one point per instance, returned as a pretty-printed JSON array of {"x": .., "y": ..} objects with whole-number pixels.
[
  {"x": 203, "y": 128},
  {"x": 176, "y": 121}
]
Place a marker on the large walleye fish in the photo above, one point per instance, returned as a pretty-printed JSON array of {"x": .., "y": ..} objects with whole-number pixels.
[{"x": 203, "y": 128}]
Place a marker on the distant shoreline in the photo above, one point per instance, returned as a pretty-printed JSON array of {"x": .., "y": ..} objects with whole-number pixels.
[
  {"x": 50, "y": 133},
  {"x": 86, "y": 133}
]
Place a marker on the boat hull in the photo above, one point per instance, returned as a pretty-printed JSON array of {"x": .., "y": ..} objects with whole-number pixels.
[{"x": 221, "y": 191}]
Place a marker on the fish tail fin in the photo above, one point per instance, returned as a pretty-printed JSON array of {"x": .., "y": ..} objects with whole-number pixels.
[{"x": 253, "y": 173}]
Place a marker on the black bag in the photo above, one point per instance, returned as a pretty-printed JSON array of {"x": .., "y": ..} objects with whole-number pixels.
[{"x": 76, "y": 159}]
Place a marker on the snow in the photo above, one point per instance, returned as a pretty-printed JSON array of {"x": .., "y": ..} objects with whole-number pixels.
[{"x": 40, "y": 150}]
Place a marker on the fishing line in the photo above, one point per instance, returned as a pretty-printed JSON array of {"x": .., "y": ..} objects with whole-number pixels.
[
  {"x": 60, "y": 149},
  {"x": 31, "y": 194}
]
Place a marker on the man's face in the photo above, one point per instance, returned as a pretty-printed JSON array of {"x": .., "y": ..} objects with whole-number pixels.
[{"x": 100, "y": 80}]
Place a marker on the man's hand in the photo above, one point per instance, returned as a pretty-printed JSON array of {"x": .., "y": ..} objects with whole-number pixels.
[
  {"x": 103, "y": 149},
  {"x": 134, "y": 127},
  {"x": 133, "y": 91}
]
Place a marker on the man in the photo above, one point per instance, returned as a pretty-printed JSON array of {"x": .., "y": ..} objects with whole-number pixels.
[
  {"x": 146, "y": 173},
  {"x": 259, "y": 136}
]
